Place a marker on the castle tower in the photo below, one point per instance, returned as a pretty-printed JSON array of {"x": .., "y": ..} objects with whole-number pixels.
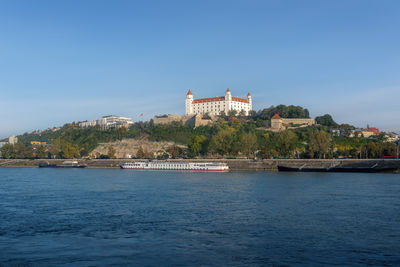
[
  {"x": 228, "y": 101},
  {"x": 276, "y": 122},
  {"x": 250, "y": 104},
  {"x": 189, "y": 104}
]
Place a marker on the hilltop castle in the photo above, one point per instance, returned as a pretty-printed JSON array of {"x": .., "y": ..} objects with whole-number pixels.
[{"x": 218, "y": 105}]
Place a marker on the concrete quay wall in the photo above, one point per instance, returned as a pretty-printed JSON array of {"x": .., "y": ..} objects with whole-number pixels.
[{"x": 234, "y": 164}]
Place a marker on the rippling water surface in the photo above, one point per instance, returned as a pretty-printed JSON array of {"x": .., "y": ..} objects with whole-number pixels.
[{"x": 92, "y": 217}]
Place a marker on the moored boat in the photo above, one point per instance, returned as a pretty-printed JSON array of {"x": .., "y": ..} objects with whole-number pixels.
[
  {"x": 65, "y": 164},
  {"x": 176, "y": 166},
  {"x": 363, "y": 169},
  {"x": 298, "y": 169},
  {"x": 371, "y": 169}
]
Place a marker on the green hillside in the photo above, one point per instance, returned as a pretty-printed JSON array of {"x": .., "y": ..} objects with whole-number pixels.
[{"x": 230, "y": 136}]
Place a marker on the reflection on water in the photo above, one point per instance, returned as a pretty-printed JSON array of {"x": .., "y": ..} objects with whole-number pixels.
[{"x": 105, "y": 217}]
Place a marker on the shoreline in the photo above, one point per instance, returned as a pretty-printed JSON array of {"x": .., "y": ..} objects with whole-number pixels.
[{"x": 234, "y": 164}]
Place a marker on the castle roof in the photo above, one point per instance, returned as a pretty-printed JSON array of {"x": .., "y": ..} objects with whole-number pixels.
[
  {"x": 209, "y": 99},
  {"x": 219, "y": 98},
  {"x": 239, "y": 99},
  {"x": 276, "y": 116}
]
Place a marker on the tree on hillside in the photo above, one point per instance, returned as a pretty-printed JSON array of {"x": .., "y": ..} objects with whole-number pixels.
[
  {"x": 320, "y": 143},
  {"x": 69, "y": 151},
  {"x": 376, "y": 149},
  {"x": 7, "y": 151},
  {"x": 242, "y": 113},
  {"x": 222, "y": 143},
  {"x": 286, "y": 143},
  {"x": 20, "y": 151},
  {"x": 16, "y": 151},
  {"x": 84, "y": 152},
  {"x": 261, "y": 123},
  {"x": 122, "y": 132},
  {"x": 111, "y": 152},
  {"x": 326, "y": 120},
  {"x": 247, "y": 143},
  {"x": 266, "y": 139},
  {"x": 198, "y": 145},
  {"x": 176, "y": 152},
  {"x": 28, "y": 153},
  {"x": 389, "y": 149},
  {"x": 283, "y": 111},
  {"x": 63, "y": 149},
  {"x": 55, "y": 147},
  {"x": 232, "y": 113},
  {"x": 140, "y": 153},
  {"x": 233, "y": 119},
  {"x": 41, "y": 152}
]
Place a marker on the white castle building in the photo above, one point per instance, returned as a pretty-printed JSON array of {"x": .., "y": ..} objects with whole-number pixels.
[{"x": 216, "y": 105}]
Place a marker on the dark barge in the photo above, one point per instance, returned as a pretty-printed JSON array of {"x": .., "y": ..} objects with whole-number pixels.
[
  {"x": 65, "y": 164},
  {"x": 371, "y": 169}
]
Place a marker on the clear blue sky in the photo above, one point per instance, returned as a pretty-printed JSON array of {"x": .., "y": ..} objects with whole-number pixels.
[{"x": 64, "y": 61}]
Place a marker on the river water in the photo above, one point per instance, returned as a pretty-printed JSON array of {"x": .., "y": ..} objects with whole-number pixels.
[{"x": 98, "y": 217}]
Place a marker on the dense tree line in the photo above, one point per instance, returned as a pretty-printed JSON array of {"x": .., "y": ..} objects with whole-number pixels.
[{"x": 283, "y": 111}]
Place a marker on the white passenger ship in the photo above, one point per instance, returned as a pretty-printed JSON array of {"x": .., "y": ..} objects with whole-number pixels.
[{"x": 176, "y": 166}]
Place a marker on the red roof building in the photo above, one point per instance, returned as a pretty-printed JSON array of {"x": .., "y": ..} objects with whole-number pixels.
[
  {"x": 209, "y": 99},
  {"x": 276, "y": 116},
  {"x": 370, "y": 131}
]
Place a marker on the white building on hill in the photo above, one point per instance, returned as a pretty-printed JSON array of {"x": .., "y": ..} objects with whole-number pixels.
[
  {"x": 108, "y": 122},
  {"x": 216, "y": 105},
  {"x": 12, "y": 140}
]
